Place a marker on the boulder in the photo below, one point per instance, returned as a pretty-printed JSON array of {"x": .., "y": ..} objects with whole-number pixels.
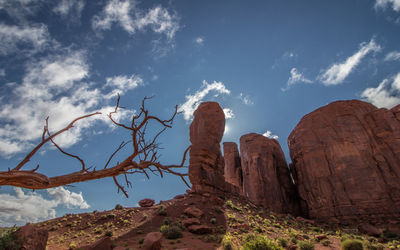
[
  {"x": 266, "y": 177},
  {"x": 346, "y": 159},
  {"x": 152, "y": 241},
  {"x": 369, "y": 229},
  {"x": 191, "y": 221},
  {"x": 206, "y": 165},
  {"x": 31, "y": 238},
  {"x": 146, "y": 203},
  {"x": 193, "y": 212},
  {"x": 200, "y": 229},
  {"x": 233, "y": 169},
  {"x": 102, "y": 244}
]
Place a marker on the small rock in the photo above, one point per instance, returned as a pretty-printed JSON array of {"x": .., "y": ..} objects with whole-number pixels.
[
  {"x": 369, "y": 229},
  {"x": 294, "y": 247},
  {"x": 303, "y": 220},
  {"x": 207, "y": 195},
  {"x": 200, "y": 229},
  {"x": 179, "y": 196},
  {"x": 32, "y": 238},
  {"x": 193, "y": 212},
  {"x": 191, "y": 221},
  {"x": 321, "y": 237},
  {"x": 146, "y": 203},
  {"x": 152, "y": 241}
]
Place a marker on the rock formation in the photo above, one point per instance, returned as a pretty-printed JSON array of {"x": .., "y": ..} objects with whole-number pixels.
[
  {"x": 233, "y": 169},
  {"x": 346, "y": 157},
  {"x": 206, "y": 166},
  {"x": 266, "y": 178}
]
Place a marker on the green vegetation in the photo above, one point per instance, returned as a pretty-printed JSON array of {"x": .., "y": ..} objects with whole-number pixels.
[
  {"x": 259, "y": 242},
  {"x": 352, "y": 244},
  {"x": 230, "y": 204},
  {"x": 306, "y": 245},
  {"x": 7, "y": 239},
  {"x": 118, "y": 207},
  {"x": 227, "y": 242},
  {"x": 162, "y": 211},
  {"x": 171, "y": 231},
  {"x": 283, "y": 242}
]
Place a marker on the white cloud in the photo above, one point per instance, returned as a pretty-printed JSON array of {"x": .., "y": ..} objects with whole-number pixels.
[
  {"x": 55, "y": 87},
  {"x": 66, "y": 8},
  {"x": 393, "y": 56},
  {"x": 245, "y": 99},
  {"x": 19, "y": 9},
  {"x": 295, "y": 77},
  {"x": 395, "y": 4},
  {"x": 193, "y": 101},
  {"x": 131, "y": 18},
  {"x": 386, "y": 95},
  {"x": 199, "y": 40},
  {"x": 228, "y": 113},
  {"x": 269, "y": 134},
  {"x": 338, "y": 72},
  {"x": 2, "y": 72},
  {"x": 23, "y": 38},
  {"x": 33, "y": 207}
]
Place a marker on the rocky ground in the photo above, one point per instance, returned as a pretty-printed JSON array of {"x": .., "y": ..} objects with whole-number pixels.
[{"x": 195, "y": 221}]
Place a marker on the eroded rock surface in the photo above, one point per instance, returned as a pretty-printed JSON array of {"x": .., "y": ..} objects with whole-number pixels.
[
  {"x": 266, "y": 178},
  {"x": 346, "y": 157},
  {"x": 233, "y": 169},
  {"x": 206, "y": 166}
]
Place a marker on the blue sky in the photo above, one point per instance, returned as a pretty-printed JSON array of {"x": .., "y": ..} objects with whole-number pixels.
[{"x": 268, "y": 63}]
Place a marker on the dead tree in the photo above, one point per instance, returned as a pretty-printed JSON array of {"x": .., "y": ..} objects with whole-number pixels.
[{"x": 144, "y": 157}]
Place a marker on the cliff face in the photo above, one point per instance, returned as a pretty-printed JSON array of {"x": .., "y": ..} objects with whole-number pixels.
[
  {"x": 266, "y": 178},
  {"x": 206, "y": 165},
  {"x": 345, "y": 162},
  {"x": 346, "y": 157}
]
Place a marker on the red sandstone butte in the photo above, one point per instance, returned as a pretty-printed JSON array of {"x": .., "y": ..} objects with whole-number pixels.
[
  {"x": 206, "y": 165},
  {"x": 266, "y": 178},
  {"x": 346, "y": 157},
  {"x": 233, "y": 169}
]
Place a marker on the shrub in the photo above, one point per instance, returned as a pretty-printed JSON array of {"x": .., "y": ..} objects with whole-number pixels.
[
  {"x": 352, "y": 244},
  {"x": 371, "y": 246},
  {"x": 389, "y": 236},
  {"x": 326, "y": 242},
  {"x": 7, "y": 239},
  {"x": 118, "y": 207},
  {"x": 213, "y": 220},
  {"x": 306, "y": 245},
  {"x": 259, "y": 242},
  {"x": 283, "y": 242},
  {"x": 167, "y": 221},
  {"x": 171, "y": 231},
  {"x": 109, "y": 234},
  {"x": 72, "y": 245},
  {"x": 227, "y": 242},
  {"x": 162, "y": 211}
]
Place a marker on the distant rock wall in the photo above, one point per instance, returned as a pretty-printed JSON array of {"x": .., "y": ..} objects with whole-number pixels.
[
  {"x": 233, "y": 169},
  {"x": 346, "y": 157},
  {"x": 266, "y": 177}
]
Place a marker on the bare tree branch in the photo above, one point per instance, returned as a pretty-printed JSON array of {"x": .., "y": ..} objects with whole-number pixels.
[{"x": 145, "y": 151}]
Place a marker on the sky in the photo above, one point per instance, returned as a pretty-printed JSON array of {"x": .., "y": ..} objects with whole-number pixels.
[{"x": 267, "y": 63}]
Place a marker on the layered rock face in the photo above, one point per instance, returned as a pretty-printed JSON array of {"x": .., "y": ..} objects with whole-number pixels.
[
  {"x": 266, "y": 178},
  {"x": 233, "y": 170},
  {"x": 206, "y": 166},
  {"x": 346, "y": 157}
]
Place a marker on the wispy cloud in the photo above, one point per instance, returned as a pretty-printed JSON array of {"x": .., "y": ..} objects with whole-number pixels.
[
  {"x": 245, "y": 99},
  {"x": 393, "y": 56},
  {"x": 295, "y": 77},
  {"x": 199, "y": 40},
  {"x": 193, "y": 101},
  {"x": 56, "y": 87},
  {"x": 71, "y": 9},
  {"x": 127, "y": 14},
  {"x": 338, "y": 72},
  {"x": 228, "y": 113},
  {"x": 386, "y": 95},
  {"x": 26, "y": 207},
  {"x": 25, "y": 39},
  {"x": 269, "y": 134},
  {"x": 394, "y": 4}
]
